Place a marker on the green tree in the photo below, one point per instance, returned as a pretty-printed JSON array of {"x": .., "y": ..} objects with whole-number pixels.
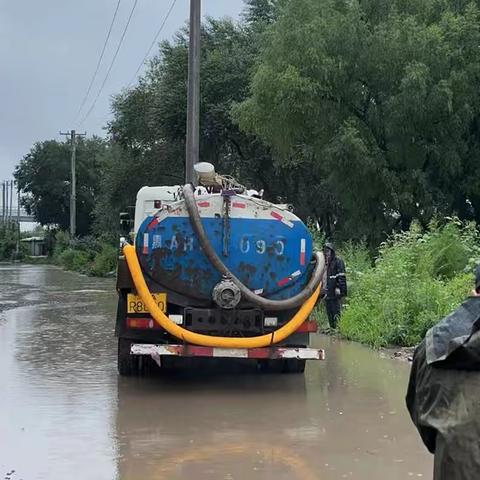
[
  {"x": 149, "y": 120},
  {"x": 44, "y": 177},
  {"x": 260, "y": 11},
  {"x": 155, "y": 110},
  {"x": 122, "y": 173},
  {"x": 373, "y": 107}
]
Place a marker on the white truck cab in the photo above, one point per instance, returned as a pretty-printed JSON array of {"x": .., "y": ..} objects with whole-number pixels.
[{"x": 150, "y": 199}]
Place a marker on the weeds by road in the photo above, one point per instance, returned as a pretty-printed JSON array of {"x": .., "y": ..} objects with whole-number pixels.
[
  {"x": 418, "y": 277},
  {"x": 87, "y": 255}
]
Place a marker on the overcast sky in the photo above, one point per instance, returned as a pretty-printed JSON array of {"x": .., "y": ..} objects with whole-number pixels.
[{"x": 48, "y": 53}]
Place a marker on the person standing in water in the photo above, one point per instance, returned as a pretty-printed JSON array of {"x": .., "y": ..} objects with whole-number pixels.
[{"x": 334, "y": 284}]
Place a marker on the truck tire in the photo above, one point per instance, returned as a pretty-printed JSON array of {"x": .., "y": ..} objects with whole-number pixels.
[
  {"x": 127, "y": 364},
  {"x": 294, "y": 365}
]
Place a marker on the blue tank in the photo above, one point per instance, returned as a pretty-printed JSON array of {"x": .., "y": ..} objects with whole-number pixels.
[{"x": 266, "y": 246}]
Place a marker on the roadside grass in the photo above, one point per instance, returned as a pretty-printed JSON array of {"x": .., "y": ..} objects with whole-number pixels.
[
  {"x": 8, "y": 242},
  {"x": 418, "y": 277},
  {"x": 88, "y": 255}
]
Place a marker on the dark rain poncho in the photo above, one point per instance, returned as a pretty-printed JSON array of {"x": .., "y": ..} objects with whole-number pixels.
[{"x": 443, "y": 395}]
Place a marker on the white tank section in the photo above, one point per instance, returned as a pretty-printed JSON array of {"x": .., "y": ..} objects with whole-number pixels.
[{"x": 151, "y": 199}]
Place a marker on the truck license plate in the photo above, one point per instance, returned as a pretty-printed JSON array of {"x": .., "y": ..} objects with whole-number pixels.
[{"x": 135, "y": 303}]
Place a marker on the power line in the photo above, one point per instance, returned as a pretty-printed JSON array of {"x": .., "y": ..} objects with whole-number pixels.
[
  {"x": 99, "y": 59},
  {"x": 154, "y": 41},
  {"x": 112, "y": 63}
]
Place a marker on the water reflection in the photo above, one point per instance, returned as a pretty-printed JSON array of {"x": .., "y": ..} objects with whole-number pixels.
[
  {"x": 344, "y": 419},
  {"x": 64, "y": 413},
  {"x": 57, "y": 374},
  {"x": 205, "y": 425}
]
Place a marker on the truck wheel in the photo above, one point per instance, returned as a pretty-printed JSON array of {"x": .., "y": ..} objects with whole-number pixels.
[
  {"x": 127, "y": 364},
  {"x": 294, "y": 365}
]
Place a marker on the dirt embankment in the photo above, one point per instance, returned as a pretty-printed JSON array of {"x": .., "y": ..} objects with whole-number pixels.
[{"x": 404, "y": 354}]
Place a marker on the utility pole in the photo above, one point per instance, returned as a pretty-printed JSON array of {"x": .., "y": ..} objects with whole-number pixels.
[
  {"x": 6, "y": 201},
  {"x": 193, "y": 98},
  {"x": 17, "y": 249},
  {"x": 73, "y": 185},
  {"x": 11, "y": 200},
  {"x": 3, "y": 202},
  {"x": 9, "y": 197}
]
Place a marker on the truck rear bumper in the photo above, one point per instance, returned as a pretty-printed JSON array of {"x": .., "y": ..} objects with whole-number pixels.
[{"x": 272, "y": 353}]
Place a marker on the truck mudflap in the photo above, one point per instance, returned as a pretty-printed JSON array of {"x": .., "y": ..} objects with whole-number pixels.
[{"x": 267, "y": 353}]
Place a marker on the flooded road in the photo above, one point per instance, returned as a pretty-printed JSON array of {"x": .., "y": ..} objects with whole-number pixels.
[{"x": 64, "y": 413}]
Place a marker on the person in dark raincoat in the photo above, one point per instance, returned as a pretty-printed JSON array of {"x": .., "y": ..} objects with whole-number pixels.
[
  {"x": 443, "y": 395},
  {"x": 334, "y": 284}
]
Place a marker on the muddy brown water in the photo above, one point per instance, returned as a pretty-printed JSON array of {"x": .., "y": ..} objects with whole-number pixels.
[{"x": 65, "y": 414}]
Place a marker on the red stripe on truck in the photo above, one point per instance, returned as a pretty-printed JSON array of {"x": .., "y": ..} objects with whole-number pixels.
[
  {"x": 152, "y": 223},
  {"x": 308, "y": 326},
  {"x": 302, "y": 251},
  {"x": 249, "y": 353}
]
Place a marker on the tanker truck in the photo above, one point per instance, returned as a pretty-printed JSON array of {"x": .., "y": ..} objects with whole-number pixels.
[{"x": 214, "y": 270}]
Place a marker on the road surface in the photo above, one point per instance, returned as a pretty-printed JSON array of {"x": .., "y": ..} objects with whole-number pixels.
[{"x": 65, "y": 414}]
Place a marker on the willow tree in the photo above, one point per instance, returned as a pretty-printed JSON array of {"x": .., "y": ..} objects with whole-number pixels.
[{"x": 375, "y": 106}]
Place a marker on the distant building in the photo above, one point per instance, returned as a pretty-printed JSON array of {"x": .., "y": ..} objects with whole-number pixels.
[{"x": 35, "y": 245}]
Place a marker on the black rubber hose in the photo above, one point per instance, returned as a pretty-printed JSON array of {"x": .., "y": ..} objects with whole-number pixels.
[{"x": 217, "y": 263}]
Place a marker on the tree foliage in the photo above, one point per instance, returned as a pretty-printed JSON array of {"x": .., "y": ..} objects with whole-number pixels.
[
  {"x": 363, "y": 114},
  {"x": 153, "y": 113},
  {"x": 378, "y": 101},
  {"x": 148, "y": 127},
  {"x": 122, "y": 172},
  {"x": 418, "y": 278},
  {"x": 44, "y": 176}
]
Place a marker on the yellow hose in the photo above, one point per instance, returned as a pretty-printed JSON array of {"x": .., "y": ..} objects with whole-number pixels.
[{"x": 207, "y": 340}]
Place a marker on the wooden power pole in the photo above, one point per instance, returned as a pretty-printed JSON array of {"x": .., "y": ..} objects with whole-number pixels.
[
  {"x": 73, "y": 185},
  {"x": 11, "y": 200},
  {"x": 3, "y": 202},
  {"x": 19, "y": 232}
]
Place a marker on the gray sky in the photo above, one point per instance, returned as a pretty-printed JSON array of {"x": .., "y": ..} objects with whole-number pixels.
[{"x": 48, "y": 53}]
